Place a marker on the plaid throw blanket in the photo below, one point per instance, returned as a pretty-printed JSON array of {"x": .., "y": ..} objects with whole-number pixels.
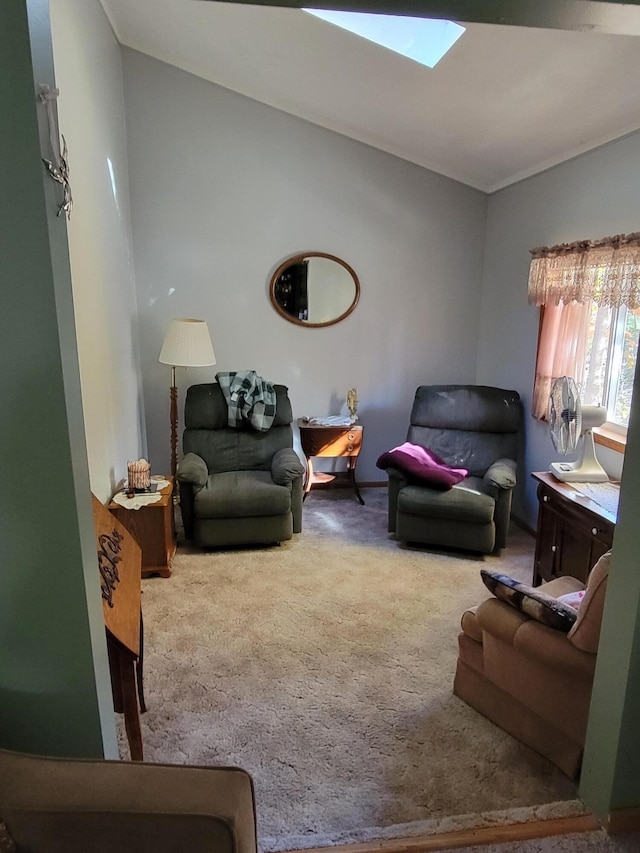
[{"x": 249, "y": 398}]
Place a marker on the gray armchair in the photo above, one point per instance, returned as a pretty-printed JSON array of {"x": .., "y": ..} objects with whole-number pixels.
[
  {"x": 238, "y": 486},
  {"x": 469, "y": 426}
]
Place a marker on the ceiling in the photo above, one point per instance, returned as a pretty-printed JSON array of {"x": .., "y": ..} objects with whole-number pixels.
[{"x": 506, "y": 102}]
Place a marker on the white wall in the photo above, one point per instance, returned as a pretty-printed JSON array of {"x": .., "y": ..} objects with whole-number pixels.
[
  {"x": 595, "y": 195},
  {"x": 91, "y": 110},
  {"x": 224, "y": 189}
]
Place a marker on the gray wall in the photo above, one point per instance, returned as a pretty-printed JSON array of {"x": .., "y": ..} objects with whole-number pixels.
[
  {"x": 54, "y": 680},
  {"x": 224, "y": 188},
  {"x": 595, "y": 195}
]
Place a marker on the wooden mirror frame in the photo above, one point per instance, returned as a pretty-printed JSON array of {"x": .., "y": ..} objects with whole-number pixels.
[{"x": 294, "y": 259}]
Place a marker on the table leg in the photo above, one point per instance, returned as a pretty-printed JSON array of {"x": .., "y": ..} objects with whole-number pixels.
[
  {"x": 309, "y": 479},
  {"x": 122, "y": 667},
  {"x": 131, "y": 713},
  {"x": 352, "y": 472},
  {"x": 139, "y": 669}
]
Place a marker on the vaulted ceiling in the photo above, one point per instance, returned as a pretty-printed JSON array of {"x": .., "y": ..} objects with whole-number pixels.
[{"x": 504, "y": 103}]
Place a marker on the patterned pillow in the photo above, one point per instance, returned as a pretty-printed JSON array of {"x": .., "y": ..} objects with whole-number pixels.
[{"x": 530, "y": 600}]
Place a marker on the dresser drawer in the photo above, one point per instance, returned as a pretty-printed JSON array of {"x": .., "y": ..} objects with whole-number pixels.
[
  {"x": 331, "y": 442},
  {"x": 577, "y": 516}
]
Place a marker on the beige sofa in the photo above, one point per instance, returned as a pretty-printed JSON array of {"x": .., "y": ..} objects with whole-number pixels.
[{"x": 532, "y": 680}]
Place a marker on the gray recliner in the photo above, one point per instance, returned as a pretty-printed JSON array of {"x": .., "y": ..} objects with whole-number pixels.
[
  {"x": 238, "y": 486},
  {"x": 469, "y": 426}
]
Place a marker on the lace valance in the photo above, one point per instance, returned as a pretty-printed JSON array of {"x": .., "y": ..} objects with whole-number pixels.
[{"x": 606, "y": 271}]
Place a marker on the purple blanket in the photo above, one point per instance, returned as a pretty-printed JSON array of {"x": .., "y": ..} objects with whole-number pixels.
[{"x": 422, "y": 465}]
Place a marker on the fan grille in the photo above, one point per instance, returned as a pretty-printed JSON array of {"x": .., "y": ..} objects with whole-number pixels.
[{"x": 565, "y": 415}]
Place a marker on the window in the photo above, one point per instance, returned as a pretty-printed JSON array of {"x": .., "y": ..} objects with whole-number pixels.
[
  {"x": 590, "y": 298},
  {"x": 422, "y": 39},
  {"x": 612, "y": 347}
]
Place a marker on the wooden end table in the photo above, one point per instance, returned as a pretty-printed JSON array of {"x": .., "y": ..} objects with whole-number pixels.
[
  {"x": 153, "y": 528},
  {"x": 331, "y": 442}
]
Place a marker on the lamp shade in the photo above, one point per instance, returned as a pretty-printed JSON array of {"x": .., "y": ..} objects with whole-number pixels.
[{"x": 187, "y": 344}]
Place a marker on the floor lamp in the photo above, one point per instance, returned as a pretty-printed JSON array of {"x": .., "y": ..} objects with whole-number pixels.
[{"x": 186, "y": 344}]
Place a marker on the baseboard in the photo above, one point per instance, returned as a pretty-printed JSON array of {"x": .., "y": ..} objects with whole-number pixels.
[
  {"x": 624, "y": 820},
  {"x": 469, "y": 837}
]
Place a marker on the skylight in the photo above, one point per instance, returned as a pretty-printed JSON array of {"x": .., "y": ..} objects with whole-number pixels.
[{"x": 421, "y": 39}]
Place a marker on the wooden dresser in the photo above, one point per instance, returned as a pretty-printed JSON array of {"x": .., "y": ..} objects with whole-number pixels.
[{"x": 573, "y": 531}]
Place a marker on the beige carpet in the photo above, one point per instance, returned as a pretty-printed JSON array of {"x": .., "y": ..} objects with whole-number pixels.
[{"x": 325, "y": 668}]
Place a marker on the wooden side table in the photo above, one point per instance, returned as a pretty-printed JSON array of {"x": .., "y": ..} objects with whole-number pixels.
[
  {"x": 331, "y": 442},
  {"x": 153, "y": 528}
]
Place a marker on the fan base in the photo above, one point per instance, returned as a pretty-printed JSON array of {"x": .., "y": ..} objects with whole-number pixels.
[
  {"x": 586, "y": 470},
  {"x": 568, "y": 472}
]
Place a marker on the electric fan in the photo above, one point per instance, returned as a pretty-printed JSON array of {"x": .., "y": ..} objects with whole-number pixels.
[{"x": 568, "y": 421}]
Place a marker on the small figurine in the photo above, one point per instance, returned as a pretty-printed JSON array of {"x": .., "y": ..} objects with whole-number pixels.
[{"x": 352, "y": 403}]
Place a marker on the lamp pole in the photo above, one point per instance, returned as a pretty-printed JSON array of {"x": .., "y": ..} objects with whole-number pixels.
[
  {"x": 173, "y": 416},
  {"x": 187, "y": 343}
]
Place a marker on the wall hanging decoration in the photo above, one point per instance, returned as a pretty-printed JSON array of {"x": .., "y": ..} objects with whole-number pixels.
[
  {"x": 58, "y": 165},
  {"x": 314, "y": 289}
]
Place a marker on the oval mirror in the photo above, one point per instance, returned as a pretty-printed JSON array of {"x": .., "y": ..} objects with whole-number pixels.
[{"x": 314, "y": 289}]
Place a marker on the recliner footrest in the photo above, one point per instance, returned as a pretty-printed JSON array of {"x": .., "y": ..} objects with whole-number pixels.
[{"x": 463, "y": 502}]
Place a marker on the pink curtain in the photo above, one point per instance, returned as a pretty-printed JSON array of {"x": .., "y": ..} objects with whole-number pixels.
[{"x": 561, "y": 350}]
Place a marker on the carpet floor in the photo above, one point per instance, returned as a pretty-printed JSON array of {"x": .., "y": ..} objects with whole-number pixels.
[{"x": 324, "y": 667}]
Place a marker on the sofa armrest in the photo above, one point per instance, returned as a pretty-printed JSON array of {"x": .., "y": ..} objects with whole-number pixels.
[
  {"x": 193, "y": 469},
  {"x": 552, "y": 649},
  {"x": 548, "y": 647},
  {"x": 286, "y": 466},
  {"x": 500, "y": 619},
  {"x": 501, "y": 475},
  {"x": 561, "y": 586}
]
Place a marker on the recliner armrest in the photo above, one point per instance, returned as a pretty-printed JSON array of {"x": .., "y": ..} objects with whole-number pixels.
[
  {"x": 193, "y": 469},
  {"x": 500, "y": 475},
  {"x": 286, "y": 466},
  {"x": 397, "y": 479}
]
